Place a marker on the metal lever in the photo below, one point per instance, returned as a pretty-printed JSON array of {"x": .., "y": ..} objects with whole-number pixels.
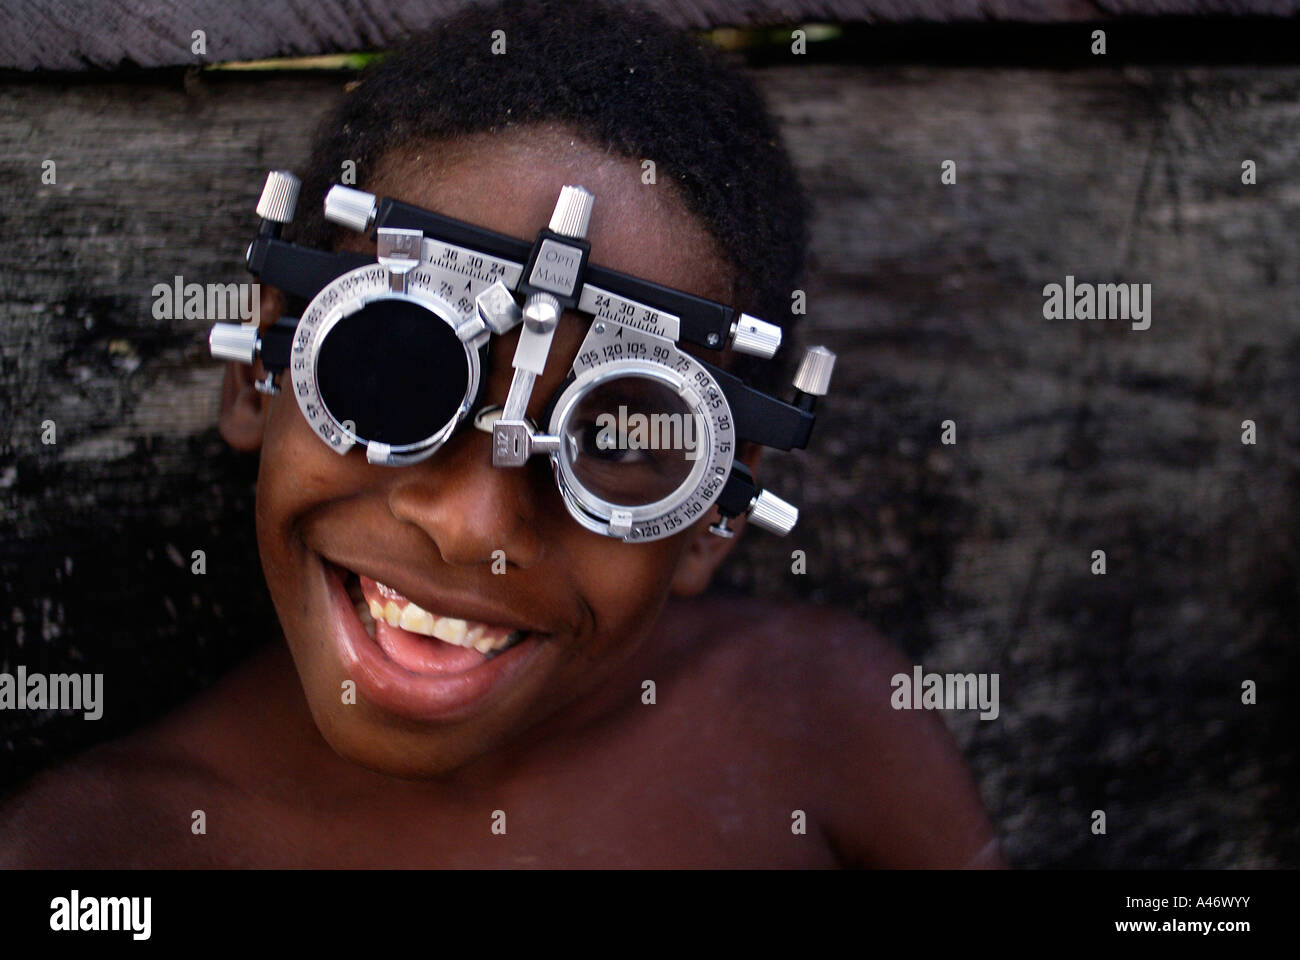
[{"x": 555, "y": 267}]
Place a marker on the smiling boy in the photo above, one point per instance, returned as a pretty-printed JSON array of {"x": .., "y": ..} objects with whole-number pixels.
[{"x": 768, "y": 738}]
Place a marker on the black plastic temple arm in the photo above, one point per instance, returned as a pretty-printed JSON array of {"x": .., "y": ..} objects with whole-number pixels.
[
  {"x": 761, "y": 418},
  {"x": 703, "y": 322},
  {"x": 738, "y": 491},
  {"x": 299, "y": 271},
  {"x": 277, "y": 344},
  {"x": 393, "y": 213}
]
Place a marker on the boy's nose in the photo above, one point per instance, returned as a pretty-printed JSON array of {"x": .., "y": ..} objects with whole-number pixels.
[{"x": 469, "y": 508}]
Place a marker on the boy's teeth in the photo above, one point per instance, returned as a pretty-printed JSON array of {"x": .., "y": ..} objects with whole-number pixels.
[
  {"x": 392, "y": 613},
  {"x": 416, "y": 619},
  {"x": 366, "y": 616},
  {"x": 449, "y": 629}
]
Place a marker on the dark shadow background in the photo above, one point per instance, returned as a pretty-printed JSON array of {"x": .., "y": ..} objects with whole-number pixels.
[{"x": 1119, "y": 692}]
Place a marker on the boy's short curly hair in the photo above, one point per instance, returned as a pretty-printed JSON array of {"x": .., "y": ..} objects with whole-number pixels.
[{"x": 634, "y": 85}]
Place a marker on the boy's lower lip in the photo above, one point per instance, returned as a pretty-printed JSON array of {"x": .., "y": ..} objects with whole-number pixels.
[{"x": 414, "y": 696}]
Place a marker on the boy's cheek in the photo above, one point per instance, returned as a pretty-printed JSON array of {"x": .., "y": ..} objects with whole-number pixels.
[
  {"x": 296, "y": 467},
  {"x": 626, "y": 585}
]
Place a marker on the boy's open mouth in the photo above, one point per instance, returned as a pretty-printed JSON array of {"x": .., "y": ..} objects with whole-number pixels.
[
  {"x": 412, "y": 673},
  {"x": 420, "y": 640}
]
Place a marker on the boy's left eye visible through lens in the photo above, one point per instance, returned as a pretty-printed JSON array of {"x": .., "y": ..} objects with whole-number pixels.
[{"x": 632, "y": 441}]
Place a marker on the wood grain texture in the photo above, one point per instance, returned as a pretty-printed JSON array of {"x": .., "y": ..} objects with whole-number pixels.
[
  {"x": 106, "y": 34},
  {"x": 1119, "y": 692}
]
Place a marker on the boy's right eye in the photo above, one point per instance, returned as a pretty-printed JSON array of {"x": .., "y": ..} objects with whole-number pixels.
[{"x": 608, "y": 444}]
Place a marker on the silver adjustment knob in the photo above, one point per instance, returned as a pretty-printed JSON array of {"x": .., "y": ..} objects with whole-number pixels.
[
  {"x": 572, "y": 212},
  {"x": 756, "y": 337},
  {"x": 771, "y": 513},
  {"x": 542, "y": 313},
  {"x": 814, "y": 374},
  {"x": 279, "y": 197},
  {"x": 234, "y": 341},
  {"x": 354, "y": 209}
]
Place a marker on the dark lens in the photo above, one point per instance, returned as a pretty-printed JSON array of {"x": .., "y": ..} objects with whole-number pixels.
[
  {"x": 395, "y": 370},
  {"x": 632, "y": 441}
]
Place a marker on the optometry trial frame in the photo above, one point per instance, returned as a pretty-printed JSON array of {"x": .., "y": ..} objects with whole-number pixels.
[{"x": 391, "y": 350}]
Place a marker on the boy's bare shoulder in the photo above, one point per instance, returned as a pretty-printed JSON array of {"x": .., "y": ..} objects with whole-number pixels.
[
  {"x": 889, "y": 786},
  {"x": 131, "y": 801},
  {"x": 795, "y": 654},
  {"x": 101, "y": 808}
]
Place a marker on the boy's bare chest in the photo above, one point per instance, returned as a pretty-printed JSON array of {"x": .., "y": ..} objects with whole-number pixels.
[
  {"x": 672, "y": 826},
  {"x": 643, "y": 795}
]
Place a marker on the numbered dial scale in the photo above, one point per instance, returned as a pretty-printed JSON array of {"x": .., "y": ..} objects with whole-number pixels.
[
  {"x": 396, "y": 369},
  {"x": 664, "y": 489}
]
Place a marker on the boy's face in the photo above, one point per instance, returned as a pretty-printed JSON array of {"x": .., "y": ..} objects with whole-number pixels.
[{"x": 431, "y": 530}]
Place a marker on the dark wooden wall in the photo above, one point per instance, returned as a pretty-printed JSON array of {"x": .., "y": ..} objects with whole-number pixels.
[
  {"x": 81, "y": 34},
  {"x": 1119, "y": 692}
]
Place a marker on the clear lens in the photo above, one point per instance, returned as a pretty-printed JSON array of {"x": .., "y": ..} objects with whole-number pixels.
[{"x": 632, "y": 441}]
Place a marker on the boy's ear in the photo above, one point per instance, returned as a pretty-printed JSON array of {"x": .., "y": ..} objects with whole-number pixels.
[
  {"x": 243, "y": 409},
  {"x": 707, "y": 551},
  {"x": 240, "y": 422}
]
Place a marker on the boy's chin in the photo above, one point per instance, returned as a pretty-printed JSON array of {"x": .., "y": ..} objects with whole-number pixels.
[
  {"x": 406, "y": 755},
  {"x": 406, "y": 767}
]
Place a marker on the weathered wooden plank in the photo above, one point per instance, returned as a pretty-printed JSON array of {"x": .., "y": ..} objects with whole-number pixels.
[
  {"x": 1119, "y": 692},
  {"x": 81, "y": 34}
]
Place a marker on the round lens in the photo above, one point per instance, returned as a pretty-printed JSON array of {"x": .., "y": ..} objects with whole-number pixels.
[
  {"x": 394, "y": 370},
  {"x": 632, "y": 441}
]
